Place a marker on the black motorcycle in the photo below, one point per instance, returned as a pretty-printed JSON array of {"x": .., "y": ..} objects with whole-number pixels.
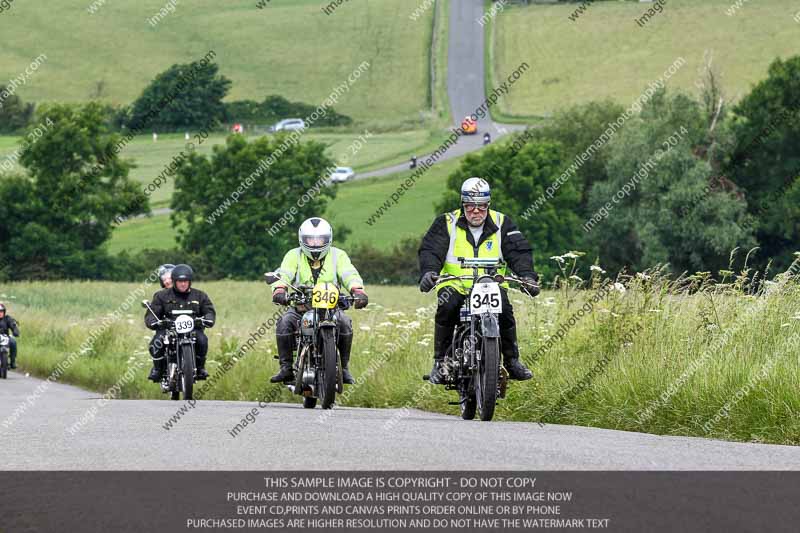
[
  {"x": 179, "y": 349},
  {"x": 471, "y": 365},
  {"x": 5, "y": 350},
  {"x": 317, "y": 365}
]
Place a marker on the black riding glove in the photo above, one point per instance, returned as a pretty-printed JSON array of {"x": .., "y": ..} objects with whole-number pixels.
[
  {"x": 280, "y": 297},
  {"x": 531, "y": 287},
  {"x": 361, "y": 299},
  {"x": 428, "y": 281}
]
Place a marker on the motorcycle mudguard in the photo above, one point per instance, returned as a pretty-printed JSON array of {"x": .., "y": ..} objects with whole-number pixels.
[{"x": 490, "y": 327}]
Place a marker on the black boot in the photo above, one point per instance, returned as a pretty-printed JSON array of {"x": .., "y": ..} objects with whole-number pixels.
[
  {"x": 516, "y": 370},
  {"x": 442, "y": 339},
  {"x": 13, "y": 360},
  {"x": 159, "y": 367},
  {"x": 285, "y": 356},
  {"x": 200, "y": 373},
  {"x": 344, "y": 343}
]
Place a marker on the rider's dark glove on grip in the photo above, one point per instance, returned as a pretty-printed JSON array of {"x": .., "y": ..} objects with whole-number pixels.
[
  {"x": 532, "y": 287},
  {"x": 361, "y": 299},
  {"x": 428, "y": 281},
  {"x": 280, "y": 297}
]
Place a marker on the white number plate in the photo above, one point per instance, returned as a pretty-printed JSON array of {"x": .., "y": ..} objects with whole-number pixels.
[
  {"x": 184, "y": 324},
  {"x": 485, "y": 298}
]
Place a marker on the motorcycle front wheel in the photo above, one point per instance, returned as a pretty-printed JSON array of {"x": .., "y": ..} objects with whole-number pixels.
[
  {"x": 486, "y": 378},
  {"x": 187, "y": 361},
  {"x": 327, "y": 374},
  {"x": 3, "y": 365}
]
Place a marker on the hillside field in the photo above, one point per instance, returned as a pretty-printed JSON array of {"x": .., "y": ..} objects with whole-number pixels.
[
  {"x": 606, "y": 54},
  {"x": 291, "y": 48}
]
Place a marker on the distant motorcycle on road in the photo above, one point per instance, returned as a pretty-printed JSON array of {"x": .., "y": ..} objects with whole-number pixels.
[{"x": 472, "y": 363}]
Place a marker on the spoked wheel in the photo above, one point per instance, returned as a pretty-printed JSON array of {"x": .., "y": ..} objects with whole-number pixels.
[
  {"x": 486, "y": 378},
  {"x": 468, "y": 405},
  {"x": 339, "y": 376},
  {"x": 3, "y": 365},
  {"x": 187, "y": 379},
  {"x": 327, "y": 374},
  {"x": 301, "y": 365},
  {"x": 175, "y": 386},
  {"x": 309, "y": 402}
]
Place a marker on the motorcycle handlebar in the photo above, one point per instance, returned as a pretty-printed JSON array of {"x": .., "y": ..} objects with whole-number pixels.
[{"x": 505, "y": 277}]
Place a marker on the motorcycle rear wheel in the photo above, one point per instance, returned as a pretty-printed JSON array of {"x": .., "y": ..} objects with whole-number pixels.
[
  {"x": 468, "y": 406},
  {"x": 309, "y": 402}
]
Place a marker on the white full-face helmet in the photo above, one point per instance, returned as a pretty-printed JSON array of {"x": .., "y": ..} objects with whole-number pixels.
[
  {"x": 315, "y": 236},
  {"x": 475, "y": 191}
]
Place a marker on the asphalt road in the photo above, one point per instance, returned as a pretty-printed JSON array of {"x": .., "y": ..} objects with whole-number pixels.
[
  {"x": 465, "y": 84},
  {"x": 129, "y": 435}
]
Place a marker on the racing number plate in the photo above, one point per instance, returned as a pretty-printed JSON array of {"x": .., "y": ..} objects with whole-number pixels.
[
  {"x": 485, "y": 298},
  {"x": 324, "y": 296},
  {"x": 184, "y": 324}
]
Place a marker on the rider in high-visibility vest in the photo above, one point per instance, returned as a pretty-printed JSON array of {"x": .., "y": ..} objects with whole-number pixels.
[
  {"x": 315, "y": 261},
  {"x": 474, "y": 231}
]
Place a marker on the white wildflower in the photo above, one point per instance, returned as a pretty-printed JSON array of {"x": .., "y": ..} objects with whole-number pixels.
[
  {"x": 619, "y": 287},
  {"x": 364, "y": 328},
  {"x": 557, "y": 258},
  {"x": 595, "y": 268},
  {"x": 395, "y": 313},
  {"x": 570, "y": 255},
  {"x": 576, "y": 278}
]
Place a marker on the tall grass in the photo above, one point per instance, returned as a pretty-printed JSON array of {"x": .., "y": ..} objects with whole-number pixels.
[{"x": 683, "y": 357}]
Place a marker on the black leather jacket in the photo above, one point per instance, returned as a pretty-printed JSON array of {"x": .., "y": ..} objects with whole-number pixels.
[
  {"x": 7, "y": 324},
  {"x": 167, "y": 300}
]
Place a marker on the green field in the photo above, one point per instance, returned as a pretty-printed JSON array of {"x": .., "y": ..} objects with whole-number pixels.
[
  {"x": 353, "y": 205},
  {"x": 605, "y": 54},
  {"x": 712, "y": 343},
  {"x": 291, "y": 48}
]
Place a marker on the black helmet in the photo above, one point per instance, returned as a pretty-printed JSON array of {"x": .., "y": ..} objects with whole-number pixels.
[
  {"x": 182, "y": 273},
  {"x": 2, "y": 307}
]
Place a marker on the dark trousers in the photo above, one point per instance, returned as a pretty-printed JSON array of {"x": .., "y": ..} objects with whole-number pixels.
[{"x": 447, "y": 317}]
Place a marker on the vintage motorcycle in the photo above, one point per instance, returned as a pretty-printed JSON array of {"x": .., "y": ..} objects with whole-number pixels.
[
  {"x": 317, "y": 366},
  {"x": 471, "y": 365},
  {"x": 179, "y": 350},
  {"x": 5, "y": 350}
]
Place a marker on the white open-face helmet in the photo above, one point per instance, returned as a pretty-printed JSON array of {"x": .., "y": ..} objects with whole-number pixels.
[
  {"x": 315, "y": 236},
  {"x": 475, "y": 191}
]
